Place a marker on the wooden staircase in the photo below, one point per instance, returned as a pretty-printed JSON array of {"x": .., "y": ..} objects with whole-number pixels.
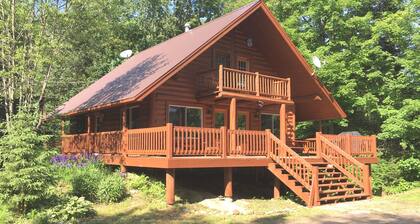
[{"x": 341, "y": 178}]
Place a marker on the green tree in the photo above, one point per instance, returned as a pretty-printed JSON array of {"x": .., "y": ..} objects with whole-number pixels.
[{"x": 25, "y": 175}]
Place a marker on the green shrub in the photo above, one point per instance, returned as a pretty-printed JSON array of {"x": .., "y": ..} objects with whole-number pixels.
[
  {"x": 402, "y": 186},
  {"x": 149, "y": 187},
  {"x": 410, "y": 169},
  {"x": 85, "y": 182},
  {"x": 5, "y": 215},
  {"x": 111, "y": 189},
  {"x": 385, "y": 174}
]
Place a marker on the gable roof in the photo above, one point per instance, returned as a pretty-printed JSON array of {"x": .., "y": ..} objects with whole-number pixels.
[{"x": 136, "y": 77}]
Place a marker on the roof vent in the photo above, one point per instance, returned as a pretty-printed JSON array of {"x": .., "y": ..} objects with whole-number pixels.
[{"x": 187, "y": 27}]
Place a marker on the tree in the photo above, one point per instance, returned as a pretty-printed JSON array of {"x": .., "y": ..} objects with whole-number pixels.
[{"x": 25, "y": 176}]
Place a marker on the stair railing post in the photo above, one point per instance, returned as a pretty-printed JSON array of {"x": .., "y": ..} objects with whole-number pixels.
[
  {"x": 223, "y": 135},
  {"x": 220, "y": 78},
  {"x": 366, "y": 180},
  {"x": 315, "y": 187},
  {"x": 169, "y": 140},
  {"x": 318, "y": 144}
]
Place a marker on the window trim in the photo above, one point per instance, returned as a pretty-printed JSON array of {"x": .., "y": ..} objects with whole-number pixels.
[
  {"x": 222, "y": 52},
  {"x": 192, "y": 107}
]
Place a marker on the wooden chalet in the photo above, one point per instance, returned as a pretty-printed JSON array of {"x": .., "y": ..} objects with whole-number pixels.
[{"x": 223, "y": 95}]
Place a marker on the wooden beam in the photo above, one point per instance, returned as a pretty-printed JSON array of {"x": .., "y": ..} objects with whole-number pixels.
[
  {"x": 228, "y": 182},
  {"x": 276, "y": 189},
  {"x": 253, "y": 98},
  {"x": 232, "y": 114},
  {"x": 170, "y": 186},
  {"x": 283, "y": 123}
]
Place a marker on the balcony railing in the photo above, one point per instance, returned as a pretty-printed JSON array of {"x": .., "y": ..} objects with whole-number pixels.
[{"x": 244, "y": 82}]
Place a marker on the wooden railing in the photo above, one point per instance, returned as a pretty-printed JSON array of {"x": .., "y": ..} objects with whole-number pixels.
[
  {"x": 291, "y": 161},
  {"x": 105, "y": 142},
  {"x": 308, "y": 145},
  {"x": 355, "y": 170},
  {"x": 189, "y": 141},
  {"x": 147, "y": 141},
  {"x": 244, "y": 82},
  {"x": 357, "y": 146},
  {"x": 247, "y": 142},
  {"x": 75, "y": 143}
]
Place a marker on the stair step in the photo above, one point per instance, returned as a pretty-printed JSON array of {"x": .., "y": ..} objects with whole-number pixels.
[
  {"x": 332, "y": 178},
  {"x": 340, "y": 190},
  {"x": 343, "y": 197},
  {"x": 335, "y": 184},
  {"x": 329, "y": 173}
]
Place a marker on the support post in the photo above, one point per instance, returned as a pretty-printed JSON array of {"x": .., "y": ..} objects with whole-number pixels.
[
  {"x": 90, "y": 143},
  {"x": 276, "y": 189},
  {"x": 170, "y": 186},
  {"x": 124, "y": 148},
  {"x": 283, "y": 123},
  {"x": 223, "y": 143},
  {"x": 315, "y": 188},
  {"x": 318, "y": 144},
  {"x": 366, "y": 180},
  {"x": 232, "y": 123},
  {"x": 373, "y": 146},
  {"x": 220, "y": 78},
  {"x": 289, "y": 89},
  {"x": 62, "y": 127},
  {"x": 228, "y": 182},
  {"x": 169, "y": 139},
  {"x": 268, "y": 142}
]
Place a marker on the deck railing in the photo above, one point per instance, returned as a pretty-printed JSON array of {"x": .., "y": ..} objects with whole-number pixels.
[
  {"x": 357, "y": 146},
  {"x": 147, "y": 141},
  {"x": 247, "y": 142},
  {"x": 244, "y": 82},
  {"x": 355, "y": 170},
  {"x": 190, "y": 141}
]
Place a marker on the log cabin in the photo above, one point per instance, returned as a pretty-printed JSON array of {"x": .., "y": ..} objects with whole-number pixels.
[{"x": 225, "y": 94}]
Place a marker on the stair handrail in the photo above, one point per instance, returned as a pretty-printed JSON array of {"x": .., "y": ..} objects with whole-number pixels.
[
  {"x": 344, "y": 162},
  {"x": 290, "y": 161}
]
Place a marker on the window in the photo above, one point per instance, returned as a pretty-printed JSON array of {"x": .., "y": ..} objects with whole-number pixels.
[
  {"x": 133, "y": 118},
  {"x": 222, "y": 59},
  {"x": 78, "y": 124},
  {"x": 98, "y": 121},
  {"x": 272, "y": 122},
  {"x": 242, "y": 121},
  {"x": 243, "y": 64},
  {"x": 219, "y": 119},
  {"x": 185, "y": 116}
]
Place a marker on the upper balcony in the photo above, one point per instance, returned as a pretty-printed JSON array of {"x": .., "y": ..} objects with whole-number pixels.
[{"x": 243, "y": 84}]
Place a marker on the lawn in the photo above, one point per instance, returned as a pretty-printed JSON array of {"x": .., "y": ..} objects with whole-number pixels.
[{"x": 400, "y": 208}]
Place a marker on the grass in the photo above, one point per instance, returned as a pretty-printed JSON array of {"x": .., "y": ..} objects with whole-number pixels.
[{"x": 402, "y": 208}]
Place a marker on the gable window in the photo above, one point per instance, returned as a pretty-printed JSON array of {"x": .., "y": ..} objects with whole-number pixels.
[
  {"x": 222, "y": 58},
  {"x": 185, "y": 116},
  {"x": 133, "y": 119},
  {"x": 272, "y": 122}
]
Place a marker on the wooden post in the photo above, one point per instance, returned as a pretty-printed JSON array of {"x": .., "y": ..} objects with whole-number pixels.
[
  {"x": 169, "y": 139},
  {"x": 223, "y": 143},
  {"x": 220, "y": 78},
  {"x": 366, "y": 180},
  {"x": 232, "y": 123},
  {"x": 257, "y": 83},
  {"x": 315, "y": 187},
  {"x": 283, "y": 123},
  {"x": 268, "y": 142},
  {"x": 289, "y": 89},
  {"x": 318, "y": 144},
  {"x": 276, "y": 189},
  {"x": 62, "y": 127},
  {"x": 348, "y": 144},
  {"x": 373, "y": 146},
  {"x": 124, "y": 149},
  {"x": 170, "y": 186},
  {"x": 89, "y": 130},
  {"x": 228, "y": 182}
]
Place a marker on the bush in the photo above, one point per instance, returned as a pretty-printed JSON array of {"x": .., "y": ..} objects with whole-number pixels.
[
  {"x": 5, "y": 215},
  {"x": 402, "y": 186},
  {"x": 111, "y": 189},
  {"x": 410, "y": 169},
  {"x": 69, "y": 210},
  {"x": 385, "y": 174},
  {"x": 149, "y": 187},
  {"x": 85, "y": 182}
]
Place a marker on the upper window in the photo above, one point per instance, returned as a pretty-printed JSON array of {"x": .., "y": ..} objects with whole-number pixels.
[
  {"x": 185, "y": 116},
  {"x": 272, "y": 122},
  {"x": 223, "y": 58},
  {"x": 243, "y": 64}
]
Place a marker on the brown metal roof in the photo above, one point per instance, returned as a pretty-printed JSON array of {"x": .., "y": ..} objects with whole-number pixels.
[
  {"x": 137, "y": 73},
  {"x": 138, "y": 76}
]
